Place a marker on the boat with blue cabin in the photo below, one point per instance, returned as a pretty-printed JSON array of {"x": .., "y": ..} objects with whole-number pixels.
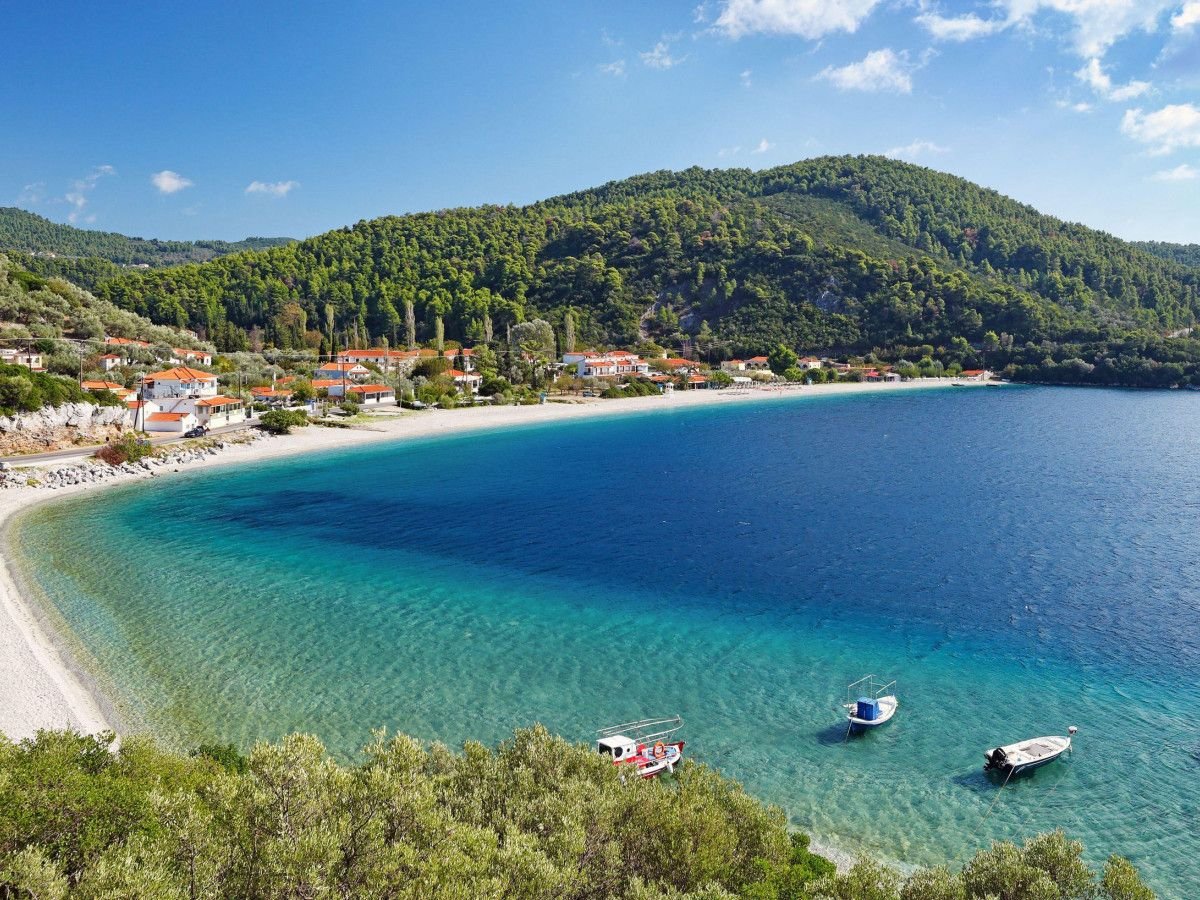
[{"x": 870, "y": 702}]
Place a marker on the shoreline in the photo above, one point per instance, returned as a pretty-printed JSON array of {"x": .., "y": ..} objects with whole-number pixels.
[{"x": 43, "y": 686}]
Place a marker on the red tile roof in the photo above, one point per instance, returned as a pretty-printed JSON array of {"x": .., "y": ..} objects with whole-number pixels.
[
  {"x": 218, "y": 401},
  {"x": 180, "y": 373},
  {"x": 370, "y": 389},
  {"x": 166, "y": 417}
]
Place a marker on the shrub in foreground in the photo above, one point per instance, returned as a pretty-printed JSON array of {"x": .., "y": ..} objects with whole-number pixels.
[
  {"x": 127, "y": 448},
  {"x": 535, "y": 817}
]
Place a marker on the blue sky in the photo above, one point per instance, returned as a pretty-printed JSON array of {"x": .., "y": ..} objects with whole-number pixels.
[{"x": 226, "y": 119}]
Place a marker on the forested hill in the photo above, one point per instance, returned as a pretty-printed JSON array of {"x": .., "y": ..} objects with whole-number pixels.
[
  {"x": 30, "y": 233},
  {"x": 835, "y": 254},
  {"x": 1187, "y": 254}
]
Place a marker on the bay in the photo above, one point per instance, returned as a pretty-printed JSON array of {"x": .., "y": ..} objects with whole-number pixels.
[{"x": 1019, "y": 559}]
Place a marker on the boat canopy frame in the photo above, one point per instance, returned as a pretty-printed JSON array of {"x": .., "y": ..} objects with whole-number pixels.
[
  {"x": 644, "y": 730},
  {"x": 869, "y": 686}
]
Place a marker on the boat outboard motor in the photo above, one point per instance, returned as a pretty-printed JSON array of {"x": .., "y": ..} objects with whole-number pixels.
[{"x": 997, "y": 758}]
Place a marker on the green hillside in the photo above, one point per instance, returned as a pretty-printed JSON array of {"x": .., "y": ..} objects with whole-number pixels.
[
  {"x": 1185, "y": 254},
  {"x": 844, "y": 255},
  {"x": 30, "y": 233}
]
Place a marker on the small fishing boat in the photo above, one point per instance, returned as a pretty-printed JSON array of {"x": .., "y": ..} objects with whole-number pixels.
[
  {"x": 645, "y": 744},
  {"x": 870, "y": 702},
  {"x": 1013, "y": 759}
]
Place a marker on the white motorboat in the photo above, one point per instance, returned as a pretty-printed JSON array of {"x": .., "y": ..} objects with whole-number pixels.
[
  {"x": 870, "y": 703},
  {"x": 1024, "y": 756},
  {"x": 644, "y": 744}
]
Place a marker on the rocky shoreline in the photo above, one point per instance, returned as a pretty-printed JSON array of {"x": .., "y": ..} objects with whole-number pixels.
[{"x": 94, "y": 471}]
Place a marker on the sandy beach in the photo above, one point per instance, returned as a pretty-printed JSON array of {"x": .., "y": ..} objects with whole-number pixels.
[{"x": 39, "y": 684}]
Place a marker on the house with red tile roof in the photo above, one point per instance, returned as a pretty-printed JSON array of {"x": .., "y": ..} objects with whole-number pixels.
[
  {"x": 466, "y": 381},
  {"x": 757, "y": 364},
  {"x": 372, "y": 394},
  {"x": 169, "y": 422},
  {"x": 180, "y": 381},
  {"x": 219, "y": 411},
  {"x": 337, "y": 370}
]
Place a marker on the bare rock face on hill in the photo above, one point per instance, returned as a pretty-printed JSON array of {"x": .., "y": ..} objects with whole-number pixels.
[{"x": 69, "y": 425}]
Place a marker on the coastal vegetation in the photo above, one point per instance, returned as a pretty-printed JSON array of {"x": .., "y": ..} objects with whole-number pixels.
[
  {"x": 282, "y": 421},
  {"x": 534, "y": 817},
  {"x": 837, "y": 255}
]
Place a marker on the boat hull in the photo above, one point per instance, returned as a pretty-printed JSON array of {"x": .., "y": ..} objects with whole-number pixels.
[
  {"x": 887, "y": 709},
  {"x": 1018, "y": 759}
]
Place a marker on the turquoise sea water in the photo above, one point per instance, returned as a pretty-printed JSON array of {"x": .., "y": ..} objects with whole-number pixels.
[{"x": 1019, "y": 559}]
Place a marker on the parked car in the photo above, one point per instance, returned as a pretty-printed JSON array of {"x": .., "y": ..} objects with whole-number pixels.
[{"x": 198, "y": 431}]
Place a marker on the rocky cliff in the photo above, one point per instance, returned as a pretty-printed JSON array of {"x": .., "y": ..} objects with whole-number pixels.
[{"x": 69, "y": 425}]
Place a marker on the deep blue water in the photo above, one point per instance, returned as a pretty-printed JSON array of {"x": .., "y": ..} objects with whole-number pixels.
[{"x": 1019, "y": 559}]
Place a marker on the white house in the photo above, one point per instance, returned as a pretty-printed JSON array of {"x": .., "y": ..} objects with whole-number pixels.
[
  {"x": 610, "y": 365},
  {"x": 169, "y": 422},
  {"x": 179, "y": 382},
  {"x": 199, "y": 357},
  {"x": 372, "y": 394},
  {"x": 385, "y": 360},
  {"x": 733, "y": 365},
  {"x": 110, "y": 361},
  {"x": 466, "y": 381},
  {"x": 216, "y": 412},
  {"x": 757, "y": 364},
  {"x": 27, "y": 358},
  {"x": 808, "y": 362},
  {"x": 339, "y": 370}
]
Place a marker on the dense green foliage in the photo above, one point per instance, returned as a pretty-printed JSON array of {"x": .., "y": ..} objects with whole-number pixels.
[
  {"x": 30, "y": 233},
  {"x": 534, "y": 818},
  {"x": 282, "y": 421},
  {"x": 836, "y": 254},
  {"x": 25, "y": 391},
  {"x": 1185, "y": 254},
  {"x": 37, "y": 307}
]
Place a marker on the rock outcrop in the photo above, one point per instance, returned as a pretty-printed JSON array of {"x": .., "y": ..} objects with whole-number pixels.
[
  {"x": 92, "y": 471},
  {"x": 57, "y": 428}
]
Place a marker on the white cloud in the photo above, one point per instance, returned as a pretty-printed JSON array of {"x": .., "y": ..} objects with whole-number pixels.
[
  {"x": 959, "y": 28},
  {"x": 880, "y": 70},
  {"x": 660, "y": 57},
  {"x": 1080, "y": 107},
  {"x": 1165, "y": 130},
  {"x": 729, "y": 151},
  {"x": 1098, "y": 24},
  {"x": 169, "y": 182},
  {"x": 1188, "y": 17},
  {"x": 1097, "y": 79},
  {"x": 1182, "y": 172},
  {"x": 616, "y": 68},
  {"x": 32, "y": 193},
  {"x": 810, "y": 19},
  {"x": 915, "y": 149},
  {"x": 272, "y": 188},
  {"x": 81, "y": 191},
  {"x": 745, "y": 78},
  {"x": 763, "y": 146}
]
